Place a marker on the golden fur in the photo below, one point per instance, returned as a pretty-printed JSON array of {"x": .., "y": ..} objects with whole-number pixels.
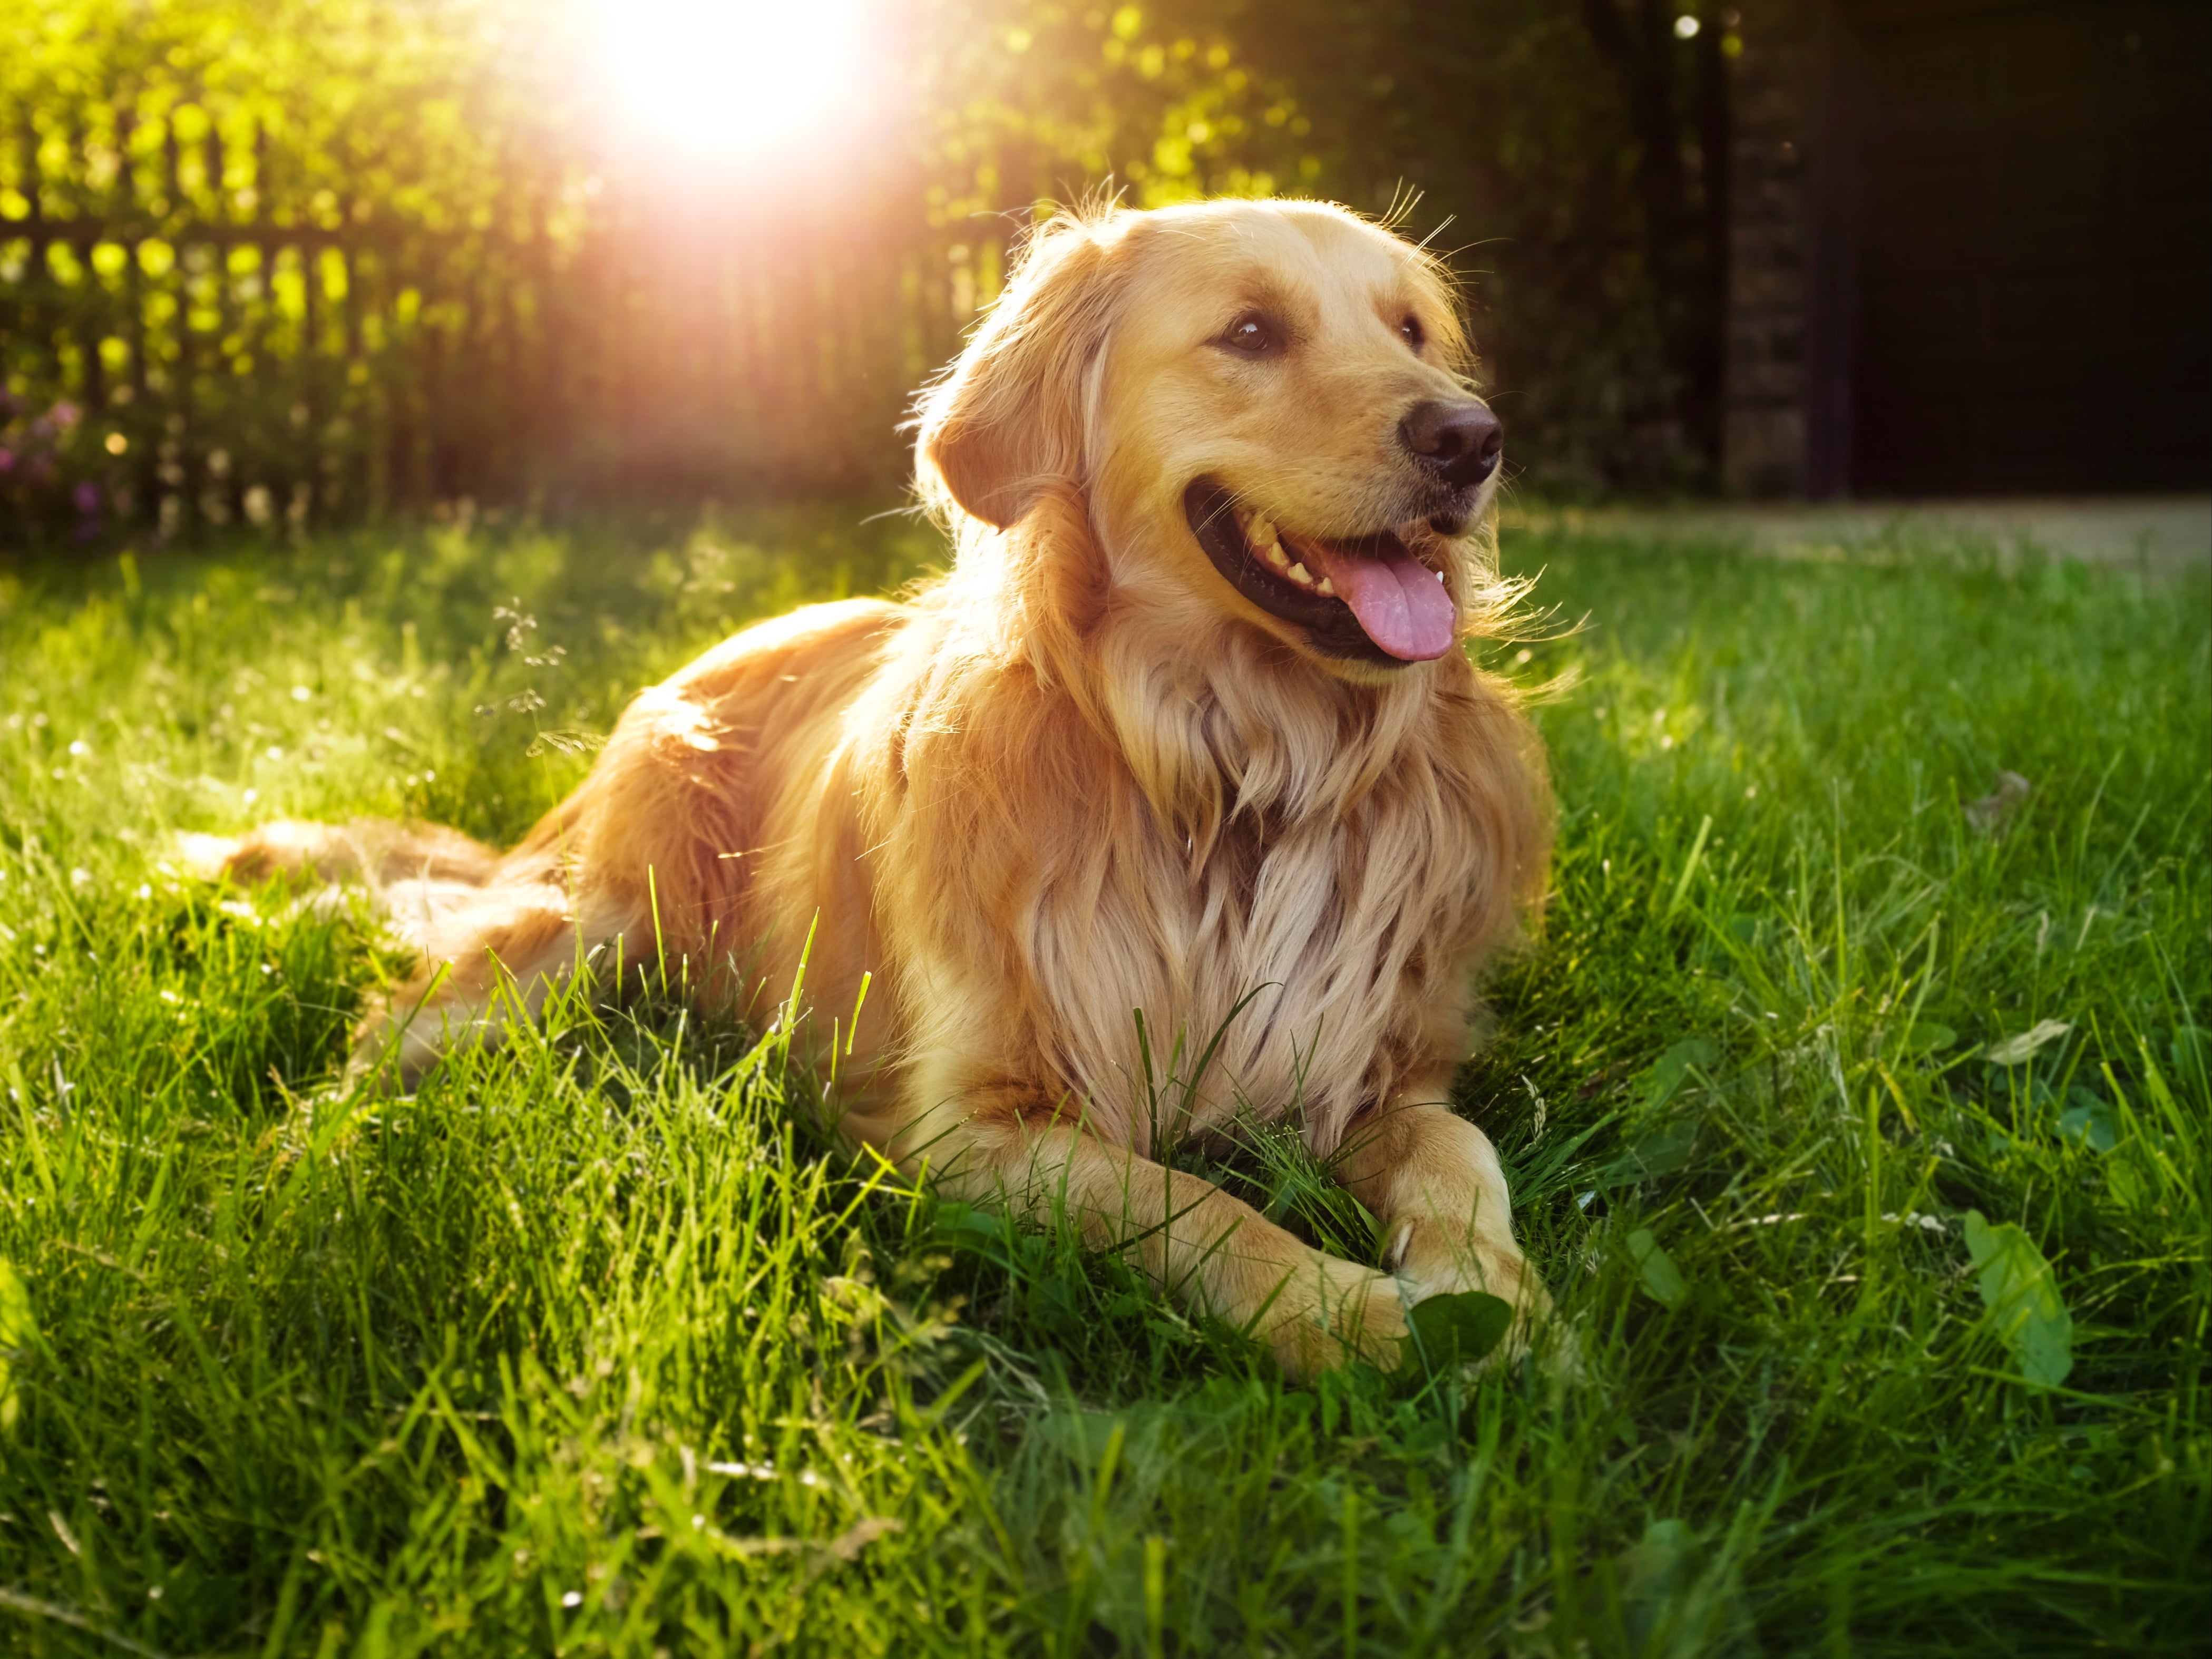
[{"x": 1084, "y": 775}]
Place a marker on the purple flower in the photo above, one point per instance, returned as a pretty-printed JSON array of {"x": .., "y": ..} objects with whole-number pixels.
[
  {"x": 87, "y": 497},
  {"x": 64, "y": 414},
  {"x": 7, "y": 462}
]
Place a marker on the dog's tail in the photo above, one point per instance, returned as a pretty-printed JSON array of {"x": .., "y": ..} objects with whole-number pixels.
[
  {"x": 376, "y": 850},
  {"x": 475, "y": 917}
]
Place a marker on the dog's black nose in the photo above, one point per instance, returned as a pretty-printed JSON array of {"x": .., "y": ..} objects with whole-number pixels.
[{"x": 1460, "y": 441}]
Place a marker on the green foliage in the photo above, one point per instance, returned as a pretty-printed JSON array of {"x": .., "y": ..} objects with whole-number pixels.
[
  {"x": 1463, "y": 1329},
  {"x": 18, "y": 1330},
  {"x": 1662, "y": 1280},
  {"x": 2022, "y": 1294},
  {"x": 1036, "y": 102},
  {"x": 591, "y": 1344}
]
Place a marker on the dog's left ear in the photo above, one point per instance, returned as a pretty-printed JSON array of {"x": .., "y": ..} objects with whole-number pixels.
[{"x": 1007, "y": 423}]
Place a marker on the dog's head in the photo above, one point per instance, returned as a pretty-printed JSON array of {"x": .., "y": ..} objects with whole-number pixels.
[{"x": 1263, "y": 404}]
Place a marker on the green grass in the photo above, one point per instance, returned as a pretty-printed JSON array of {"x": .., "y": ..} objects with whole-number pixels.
[{"x": 586, "y": 1349}]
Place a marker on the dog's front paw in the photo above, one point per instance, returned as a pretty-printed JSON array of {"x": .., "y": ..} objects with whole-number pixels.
[
  {"x": 1334, "y": 1313},
  {"x": 1494, "y": 1269}
]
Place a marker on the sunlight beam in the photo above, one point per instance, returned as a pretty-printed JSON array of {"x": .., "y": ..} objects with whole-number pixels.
[{"x": 730, "y": 79}]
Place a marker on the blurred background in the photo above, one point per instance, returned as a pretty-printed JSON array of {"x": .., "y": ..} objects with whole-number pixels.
[{"x": 296, "y": 262}]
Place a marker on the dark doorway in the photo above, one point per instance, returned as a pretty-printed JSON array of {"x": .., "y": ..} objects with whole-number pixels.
[{"x": 2034, "y": 254}]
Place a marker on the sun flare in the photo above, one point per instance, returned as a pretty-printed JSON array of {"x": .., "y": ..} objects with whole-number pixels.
[{"x": 728, "y": 78}]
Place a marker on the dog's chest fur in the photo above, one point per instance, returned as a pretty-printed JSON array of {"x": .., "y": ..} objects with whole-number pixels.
[
  {"x": 1308, "y": 962},
  {"x": 1293, "y": 888}
]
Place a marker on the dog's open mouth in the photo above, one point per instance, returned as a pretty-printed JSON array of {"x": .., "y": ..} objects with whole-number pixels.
[{"x": 1372, "y": 599}]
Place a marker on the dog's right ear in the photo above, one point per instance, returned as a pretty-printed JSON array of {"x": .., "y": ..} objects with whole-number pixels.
[{"x": 1007, "y": 423}]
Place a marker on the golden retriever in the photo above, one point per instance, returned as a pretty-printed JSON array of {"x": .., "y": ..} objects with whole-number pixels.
[{"x": 1188, "y": 732}]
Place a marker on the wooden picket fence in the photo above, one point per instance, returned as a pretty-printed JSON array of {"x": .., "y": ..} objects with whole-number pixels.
[{"x": 178, "y": 352}]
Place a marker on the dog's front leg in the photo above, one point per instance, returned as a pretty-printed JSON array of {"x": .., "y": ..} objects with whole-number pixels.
[
  {"x": 1213, "y": 1254},
  {"x": 1432, "y": 1180}
]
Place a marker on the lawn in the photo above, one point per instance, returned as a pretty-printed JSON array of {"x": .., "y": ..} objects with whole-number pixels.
[{"x": 1861, "y": 1140}]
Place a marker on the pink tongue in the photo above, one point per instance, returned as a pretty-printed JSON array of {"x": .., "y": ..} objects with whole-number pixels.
[{"x": 1397, "y": 598}]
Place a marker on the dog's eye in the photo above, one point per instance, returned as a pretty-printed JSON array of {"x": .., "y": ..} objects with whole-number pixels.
[
  {"x": 1416, "y": 336},
  {"x": 1252, "y": 336}
]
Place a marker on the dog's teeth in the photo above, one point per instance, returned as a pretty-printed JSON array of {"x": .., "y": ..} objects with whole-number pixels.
[
  {"x": 1300, "y": 574},
  {"x": 1262, "y": 530},
  {"x": 1276, "y": 557},
  {"x": 1440, "y": 576},
  {"x": 1327, "y": 587}
]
